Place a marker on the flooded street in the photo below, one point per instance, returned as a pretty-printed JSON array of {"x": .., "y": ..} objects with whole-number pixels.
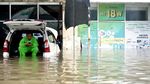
[
  {"x": 91, "y": 66},
  {"x": 101, "y": 41}
]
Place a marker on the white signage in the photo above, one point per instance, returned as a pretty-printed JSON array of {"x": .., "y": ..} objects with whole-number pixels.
[{"x": 137, "y": 34}]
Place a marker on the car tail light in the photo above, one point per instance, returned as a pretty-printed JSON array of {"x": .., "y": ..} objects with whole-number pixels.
[
  {"x": 5, "y": 46},
  {"x": 46, "y": 46}
]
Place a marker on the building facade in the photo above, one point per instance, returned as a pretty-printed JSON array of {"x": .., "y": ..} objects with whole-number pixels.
[
  {"x": 120, "y": 25},
  {"x": 50, "y": 12},
  {"x": 112, "y": 25}
]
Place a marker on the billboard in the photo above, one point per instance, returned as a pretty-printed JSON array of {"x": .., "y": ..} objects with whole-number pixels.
[
  {"x": 137, "y": 34},
  {"x": 111, "y": 34},
  {"x": 111, "y": 12}
]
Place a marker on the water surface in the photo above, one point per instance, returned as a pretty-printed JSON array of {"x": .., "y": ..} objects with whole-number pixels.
[{"x": 89, "y": 66}]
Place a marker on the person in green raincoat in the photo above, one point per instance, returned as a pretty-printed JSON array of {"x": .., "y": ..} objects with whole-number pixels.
[{"x": 28, "y": 44}]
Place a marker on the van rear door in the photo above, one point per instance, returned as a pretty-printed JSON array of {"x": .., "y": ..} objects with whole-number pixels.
[{"x": 25, "y": 24}]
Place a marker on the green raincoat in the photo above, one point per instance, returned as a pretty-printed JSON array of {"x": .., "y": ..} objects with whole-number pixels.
[{"x": 23, "y": 49}]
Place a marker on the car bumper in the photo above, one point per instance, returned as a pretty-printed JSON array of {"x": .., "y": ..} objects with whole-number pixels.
[
  {"x": 50, "y": 55},
  {"x": 5, "y": 55}
]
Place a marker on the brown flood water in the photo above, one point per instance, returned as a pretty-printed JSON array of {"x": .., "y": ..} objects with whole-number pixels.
[{"x": 91, "y": 66}]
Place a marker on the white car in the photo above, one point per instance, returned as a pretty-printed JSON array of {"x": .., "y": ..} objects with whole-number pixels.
[{"x": 46, "y": 37}]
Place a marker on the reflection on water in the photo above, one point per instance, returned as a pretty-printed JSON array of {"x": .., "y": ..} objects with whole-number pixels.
[{"x": 89, "y": 66}]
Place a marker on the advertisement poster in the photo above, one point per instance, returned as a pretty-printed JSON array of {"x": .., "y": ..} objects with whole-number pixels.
[
  {"x": 83, "y": 31},
  {"x": 93, "y": 34},
  {"x": 111, "y": 12},
  {"x": 111, "y": 34},
  {"x": 83, "y": 34},
  {"x": 137, "y": 34}
]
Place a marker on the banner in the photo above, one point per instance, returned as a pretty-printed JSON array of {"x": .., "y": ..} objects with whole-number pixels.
[
  {"x": 76, "y": 12},
  {"x": 94, "y": 34},
  {"x": 137, "y": 34},
  {"x": 111, "y": 12},
  {"x": 111, "y": 34}
]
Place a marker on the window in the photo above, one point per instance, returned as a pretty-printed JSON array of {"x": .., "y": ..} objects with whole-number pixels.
[
  {"x": 24, "y": 11},
  {"x": 4, "y": 15},
  {"x": 137, "y": 14},
  {"x": 93, "y": 14},
  {"x": 93, "y": 11},
  {"x": 50, "y": 12},
  {"x": 54, "y": 25},
  {"x": 51, "y": 37}
]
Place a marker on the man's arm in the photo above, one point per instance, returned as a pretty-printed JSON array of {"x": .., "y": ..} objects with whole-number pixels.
[
  {"x": 22, "y": 42},
  {"x": 35, "y": 43}
]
